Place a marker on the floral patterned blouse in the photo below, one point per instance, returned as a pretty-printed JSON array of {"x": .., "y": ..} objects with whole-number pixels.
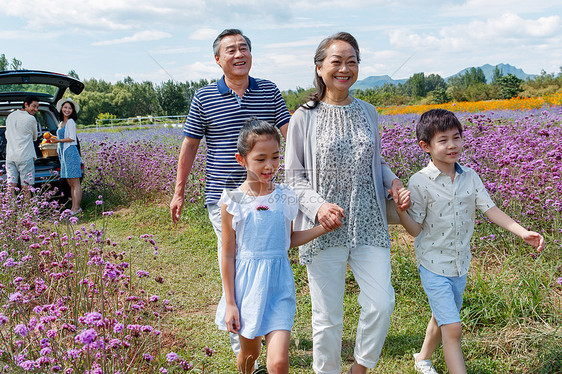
[{"x": 343, "y": 158}]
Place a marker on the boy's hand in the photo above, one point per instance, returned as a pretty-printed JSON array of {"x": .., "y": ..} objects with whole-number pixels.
[
  {"x": 232, "y": 319},
  {"x": 535, "y": 239},
  {"x": 400, "y": 195},
  {"x": 403, "y": 202}
]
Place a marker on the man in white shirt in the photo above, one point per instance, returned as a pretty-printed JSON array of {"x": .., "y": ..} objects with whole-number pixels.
[{"x": 21, "y": 132}]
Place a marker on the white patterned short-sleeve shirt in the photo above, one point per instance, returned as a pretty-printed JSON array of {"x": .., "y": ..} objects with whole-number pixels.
[{"x": 446, "y": 210}]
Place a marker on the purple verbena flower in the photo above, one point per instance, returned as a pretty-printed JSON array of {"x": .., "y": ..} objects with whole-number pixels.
[
  {"x": 27, "y": 365},
  {"x": 21, "y": 329},
  {"x": 86, "y": 337}
]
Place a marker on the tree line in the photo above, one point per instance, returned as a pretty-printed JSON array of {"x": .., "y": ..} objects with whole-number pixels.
[
  {"x": 128, "y": 98},
  {"x": 433, "y": 89}
]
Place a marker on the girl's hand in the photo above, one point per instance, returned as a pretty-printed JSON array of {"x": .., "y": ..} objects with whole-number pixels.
[
  {"x": 535, "y": 239},
  {"x": 232, "y": 319},
  {"x": 329, "y": 216}
]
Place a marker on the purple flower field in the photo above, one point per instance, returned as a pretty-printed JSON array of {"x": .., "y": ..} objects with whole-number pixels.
[
  {"x": 138, "y": 165},
  {"x": 517, "y": 154},
  {"x": 74, "y": 301},
  {"x": 70, "y": 301}
]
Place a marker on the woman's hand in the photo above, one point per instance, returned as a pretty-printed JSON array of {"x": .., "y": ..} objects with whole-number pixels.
[
  {"x": 400, "y": 195},
  {"x": 232, "y": 319},
  {"x": 403, "y": 202},
  {"x": 329, "y": 216}
]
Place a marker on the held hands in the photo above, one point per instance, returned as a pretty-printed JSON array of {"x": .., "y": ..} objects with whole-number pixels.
[
  {"x": 232, "y": 319},
  {"x": 535, "y": 239},
  {"x": 400, "y": 195},
  {"x": 329, "y": 216}
]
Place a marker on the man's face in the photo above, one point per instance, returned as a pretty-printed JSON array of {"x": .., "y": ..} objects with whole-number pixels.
[
  {"x": 234, "y": 57},
  {"x": 31, "y": 108}
]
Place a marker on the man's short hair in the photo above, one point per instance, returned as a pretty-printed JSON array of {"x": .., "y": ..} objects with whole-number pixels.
[
  {"x": 29, "y": 99},
  {"x": 435, "y": 121},
  {"x": 229, "y": 32}
]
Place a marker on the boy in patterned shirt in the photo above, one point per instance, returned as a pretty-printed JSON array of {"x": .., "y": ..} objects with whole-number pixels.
[{"x": 445, "y": 196}]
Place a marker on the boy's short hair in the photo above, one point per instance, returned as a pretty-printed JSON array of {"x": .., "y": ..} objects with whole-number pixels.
[{"x": 434, "y": 121}]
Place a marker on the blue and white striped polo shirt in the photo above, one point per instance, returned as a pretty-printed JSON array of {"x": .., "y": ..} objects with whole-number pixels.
[{"x": 218, "y": 114}]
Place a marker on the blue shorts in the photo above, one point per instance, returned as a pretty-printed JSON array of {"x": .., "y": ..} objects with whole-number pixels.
[{"x": 444, "y": 295}]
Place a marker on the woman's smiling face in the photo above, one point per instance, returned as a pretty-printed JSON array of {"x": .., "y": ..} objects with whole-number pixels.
[
  {"x": 340, "y": 67},
  {"x": 66, "y": 110}
]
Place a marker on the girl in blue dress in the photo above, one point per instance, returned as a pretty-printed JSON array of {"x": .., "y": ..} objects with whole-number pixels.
[
  {"x": 258, "y": 285},
  {"x": 70, "y": 163}
]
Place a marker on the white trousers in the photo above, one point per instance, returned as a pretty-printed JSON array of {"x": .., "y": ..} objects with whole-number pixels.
[
  {"x": 214, "y": 211},
  {"x": 326, "y": 277}
]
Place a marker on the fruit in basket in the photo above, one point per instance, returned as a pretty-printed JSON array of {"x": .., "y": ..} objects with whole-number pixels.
[{"x": 48, "y": 137}]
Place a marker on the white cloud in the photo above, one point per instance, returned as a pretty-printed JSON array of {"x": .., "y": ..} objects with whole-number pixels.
[
  {"x": 101, "y": 15},
  {"x": 509, "y": 25},
  {"x": 87, "y": 14},
  {"x": 174, "y": 50},
  {"x": 487, "y": 8},
  {"x": 507, "y": 31},
  {"x": 196, "y": 71},
  {"x": 301, "y": 5},
  {"x": 205, "y": 33},
  {"x": 142, "y": 36},
  {"x": 28, "y": 35},
  {"x": 307, "y": 42},
  {"x": 286, "y": 60}
]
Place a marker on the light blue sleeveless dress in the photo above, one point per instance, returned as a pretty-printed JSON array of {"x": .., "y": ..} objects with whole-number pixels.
[
  {"x": 69, "y": 160},
  {"x": 264, "y": 282}
]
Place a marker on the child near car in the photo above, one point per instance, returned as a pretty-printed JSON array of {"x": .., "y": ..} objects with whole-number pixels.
[
  {"x": 259, "y": 290},
  {"x": 445, "y": 196}
]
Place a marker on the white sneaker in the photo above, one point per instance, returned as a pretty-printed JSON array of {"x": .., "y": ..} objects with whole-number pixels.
[{"x": 424, "y": 366}]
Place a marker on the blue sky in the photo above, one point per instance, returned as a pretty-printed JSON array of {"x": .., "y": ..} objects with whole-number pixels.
[{"x": 158, "y": 40}]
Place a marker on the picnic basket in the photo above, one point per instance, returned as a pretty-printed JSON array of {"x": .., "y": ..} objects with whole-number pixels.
[{"x": 48, "y": 149}]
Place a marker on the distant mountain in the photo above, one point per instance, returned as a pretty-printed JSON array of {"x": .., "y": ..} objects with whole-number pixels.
[
  {"x": 504, "y": 68},
  {"x": 380, "y": 80},
  {"x": 376, "y": 81}
]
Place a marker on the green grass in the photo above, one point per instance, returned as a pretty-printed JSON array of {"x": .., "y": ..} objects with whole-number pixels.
[{"x": 511, "y": 315}]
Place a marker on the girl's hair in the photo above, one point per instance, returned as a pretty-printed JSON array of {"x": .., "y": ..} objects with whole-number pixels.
[
  {"x": 434, "y": 121},
  {"x": 254, "y": 128},
  {"x": 74, "y": 115},
  {"x": 319, "y": 58}
]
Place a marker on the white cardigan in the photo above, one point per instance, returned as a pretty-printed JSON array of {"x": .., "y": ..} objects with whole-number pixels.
[
  {"x": 69, "y": 132},
  {"x": 300, "y": 164}
]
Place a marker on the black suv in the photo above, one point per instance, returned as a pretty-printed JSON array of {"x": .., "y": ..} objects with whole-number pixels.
[{"x": 49, "y": 88}]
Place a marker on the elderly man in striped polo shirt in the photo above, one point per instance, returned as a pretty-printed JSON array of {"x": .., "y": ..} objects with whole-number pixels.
[{"x": 217, "y": 113}]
